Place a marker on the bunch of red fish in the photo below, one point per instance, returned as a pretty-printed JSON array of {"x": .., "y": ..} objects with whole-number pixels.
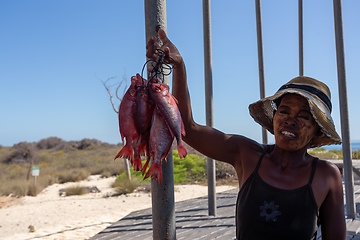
[{"x": 149, "y": 119}]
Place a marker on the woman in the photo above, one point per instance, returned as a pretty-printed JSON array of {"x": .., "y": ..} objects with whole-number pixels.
[{"x": 284, "y": 192}]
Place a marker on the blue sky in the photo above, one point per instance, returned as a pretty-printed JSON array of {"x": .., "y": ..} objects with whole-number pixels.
[{"x": 53, "y": 53}]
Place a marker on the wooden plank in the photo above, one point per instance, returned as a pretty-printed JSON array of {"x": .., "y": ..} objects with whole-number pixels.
[{"x": 353, "y": 227}]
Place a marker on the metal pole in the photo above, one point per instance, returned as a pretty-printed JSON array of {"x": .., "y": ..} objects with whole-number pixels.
[
  {"x": 260, "y": 60},
  {"x": 301, "y": 42},
  {"x": 344, "y": 113},
  {"x": 209, "y": 103},
  {"x": 163, "y": 207}
]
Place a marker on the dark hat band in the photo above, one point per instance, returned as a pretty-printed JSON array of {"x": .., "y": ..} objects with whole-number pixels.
[{"x": 311, "y": 90}]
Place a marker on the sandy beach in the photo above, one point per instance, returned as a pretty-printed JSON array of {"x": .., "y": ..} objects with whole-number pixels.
[{"x": 51, "y": 216}]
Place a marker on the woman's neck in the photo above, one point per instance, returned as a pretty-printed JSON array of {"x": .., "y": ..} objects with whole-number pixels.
[{"x": 289, "y": 159}]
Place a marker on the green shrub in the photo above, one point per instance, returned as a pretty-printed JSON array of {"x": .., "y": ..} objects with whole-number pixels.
[
  {"x": 324, "y": 154},
  {"x": 356, "y": 154},
  {"x": 189, "y": 169}
]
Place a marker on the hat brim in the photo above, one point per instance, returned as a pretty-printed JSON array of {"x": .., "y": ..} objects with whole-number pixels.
[{"x": 263, "y": 112}]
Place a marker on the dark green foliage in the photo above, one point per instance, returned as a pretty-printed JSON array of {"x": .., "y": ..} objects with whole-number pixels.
[
  {"x": 20, "y": 153},
  {"x": 189, "y": 169},
  {"x": 134, "y": 175},
  {"x": 49, "y": 143}
]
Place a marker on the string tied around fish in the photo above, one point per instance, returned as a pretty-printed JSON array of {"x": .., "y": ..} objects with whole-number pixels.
[{"x": 159, "y": 69}]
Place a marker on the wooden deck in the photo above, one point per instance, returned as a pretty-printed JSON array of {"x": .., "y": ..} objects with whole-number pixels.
[{"x": 193, "y": 222}]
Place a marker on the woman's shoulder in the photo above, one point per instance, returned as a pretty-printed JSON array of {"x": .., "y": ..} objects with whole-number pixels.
[
  {"x": 246, "y": 149},
  {"x": 328, "y": 167},
  {"x": 328, "y": 171}
]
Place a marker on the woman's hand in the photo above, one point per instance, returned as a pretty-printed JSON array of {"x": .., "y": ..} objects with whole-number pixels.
[{"x": 172, "y": 55}]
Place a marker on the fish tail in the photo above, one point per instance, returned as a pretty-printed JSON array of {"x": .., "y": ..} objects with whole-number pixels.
[
  {"x": 181, "y": 149},
  {"x": 141, "y": 145},
  {"x": 137, "y": 160},
  {"x": 145, "y": 165},
  {"x": 143, "y": 148},
  {"x": 137, "y": 164},
  {"x": 155, "y": 171},
  {"x": 127, "y": 153}
]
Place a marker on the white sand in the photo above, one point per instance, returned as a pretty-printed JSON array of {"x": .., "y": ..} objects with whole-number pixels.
[{"x": 79, "y": 217}]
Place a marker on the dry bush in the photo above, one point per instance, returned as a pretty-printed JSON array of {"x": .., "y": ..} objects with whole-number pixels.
[
  {"x": 22, "y": 187},
  {"x": 33, "y": 190},
  {"x": 49, "y": 143},
  {"x": 75, "y": 190},
  {"x": 224, "y": 170},
  {"x": 124, "y": 186},
  {"x": 22, "y": 152},
  {"x": 56, "y": 166},
  {"x": 74, "y": 175},
  {"x": 15, "y": 187}
]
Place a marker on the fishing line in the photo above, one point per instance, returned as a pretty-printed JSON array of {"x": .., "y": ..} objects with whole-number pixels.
[{"x": 160, "y": 69}]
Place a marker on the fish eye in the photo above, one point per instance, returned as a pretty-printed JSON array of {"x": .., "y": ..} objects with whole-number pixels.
[{"x": 132, "y": 91}]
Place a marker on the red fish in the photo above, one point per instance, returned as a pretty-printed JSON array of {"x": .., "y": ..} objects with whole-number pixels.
[
  {"x": 160, "y": 144},
  {"x": 170, "y": 111},
  {"x": 144, "y": 112},
  {"x": 127, "y": 126}
]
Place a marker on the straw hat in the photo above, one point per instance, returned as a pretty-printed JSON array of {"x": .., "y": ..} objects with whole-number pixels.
[{"x": 319, "y": 99}]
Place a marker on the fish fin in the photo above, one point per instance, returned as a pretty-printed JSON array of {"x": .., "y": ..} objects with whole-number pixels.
[
  {"x": 133, "y": 79},
  {"x": 126, "y": 152},
  {"x": 182, "y": 128},
  {"x": 155, "y": 171},
  {"x": 181, "y": 149},
  {"x": 176, "y": 101}
]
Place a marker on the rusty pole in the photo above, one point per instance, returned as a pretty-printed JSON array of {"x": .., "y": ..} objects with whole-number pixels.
[
  {"x": 344, "y": 112},
  {"x": 211, "y": 170},
  {"x": 260, "y": 60},
  {"x": 301, "y": 42},
  {"x": 162, "y": 195}
]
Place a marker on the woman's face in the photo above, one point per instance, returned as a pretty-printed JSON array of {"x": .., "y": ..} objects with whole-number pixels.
[{"x": 294, "y": 125}]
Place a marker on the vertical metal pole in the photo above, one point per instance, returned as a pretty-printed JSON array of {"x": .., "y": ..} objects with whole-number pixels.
[
  {"x": 127, "y": 169},
  {"x": 209, "y": 103},
  {"x": 301, "y": 42},
  {"x": 260, "y": 60},
  {"x": 163, "y": 207},
  {"x": 344, "y": 113}
]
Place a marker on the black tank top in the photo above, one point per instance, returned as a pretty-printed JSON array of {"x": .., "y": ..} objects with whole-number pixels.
[{"x": 264, "y": 212}]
